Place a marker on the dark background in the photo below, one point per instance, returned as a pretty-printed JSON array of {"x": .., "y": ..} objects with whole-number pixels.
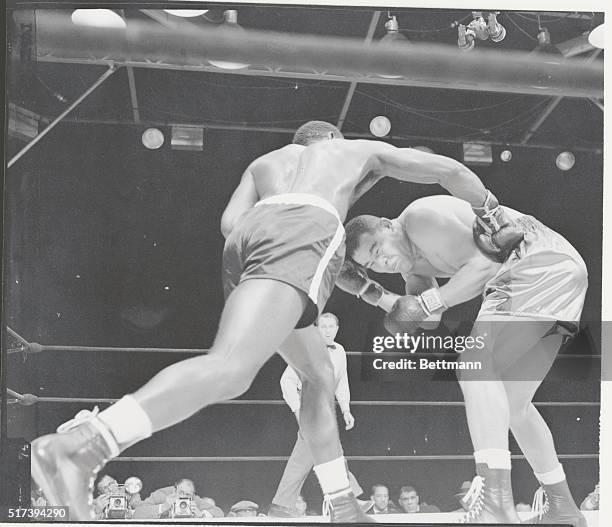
[{"x": 110, "y": 244}]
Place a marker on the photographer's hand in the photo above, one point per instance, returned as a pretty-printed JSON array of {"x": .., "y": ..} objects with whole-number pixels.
[
  {"x": 195, "y": 511},
  {"x": 102, "y": 501}
]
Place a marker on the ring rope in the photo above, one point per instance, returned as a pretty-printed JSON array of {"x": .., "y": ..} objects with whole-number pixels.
[
  {"x": 440, "y": 457},
  {"x": 29, "y": 399},
  {"x": 35, "y": 347}
]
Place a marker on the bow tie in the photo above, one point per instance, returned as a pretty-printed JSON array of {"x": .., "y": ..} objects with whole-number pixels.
[{"x": 331, "y": 346}]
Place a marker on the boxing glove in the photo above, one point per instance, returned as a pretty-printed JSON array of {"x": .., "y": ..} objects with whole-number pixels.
[
  {"x": 409, "y": 311},
  {"x": 495, "y": 234},
  {"x": 354, "y": 280}
]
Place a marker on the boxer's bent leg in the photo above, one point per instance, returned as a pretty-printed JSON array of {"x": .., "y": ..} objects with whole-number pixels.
[
  {"x": 533, "y": 435},
  {"x": 487, "y": 407},
  {"x": 256, "y": 319},
  {"x": 521, "y": 381},
  {"x": 486, "y": 404},
  {"x": 305, "y": 351}
]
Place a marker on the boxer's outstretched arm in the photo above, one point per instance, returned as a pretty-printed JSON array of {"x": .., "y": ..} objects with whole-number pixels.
[
  {"x": 243, "y": 198},
  {"x": 408, "y": 164}
]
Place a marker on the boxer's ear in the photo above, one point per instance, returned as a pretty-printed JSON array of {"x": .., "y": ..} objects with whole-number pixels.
[{"x": 386, "y": 223}]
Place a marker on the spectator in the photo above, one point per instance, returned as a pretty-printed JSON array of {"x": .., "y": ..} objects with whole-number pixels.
[
  {"x": 410, "y": 501},
  {"x": 108, "y": 486},
  {"x": 160, "y": 504},
  {"x": 37, "y": 498},
  {"x": 244, "y": 509},
  {"x": 591, "y": 502},
  {"x": 465, "y": 486},
  {"x": 300, "y": 462},
  {"x": 380, "y": 502}
]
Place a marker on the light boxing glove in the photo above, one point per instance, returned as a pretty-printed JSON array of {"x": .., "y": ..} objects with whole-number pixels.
[
  {"x": 495, "y": 234},
  {"x": 410, "y": 311},
  {"x": 354, "y": 280}
]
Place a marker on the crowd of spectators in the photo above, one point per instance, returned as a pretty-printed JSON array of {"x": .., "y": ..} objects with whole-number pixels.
[{"x": 115, "y": 501}]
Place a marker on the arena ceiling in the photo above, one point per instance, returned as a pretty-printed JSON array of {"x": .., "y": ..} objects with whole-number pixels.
[{"x": 281, "y": 99}]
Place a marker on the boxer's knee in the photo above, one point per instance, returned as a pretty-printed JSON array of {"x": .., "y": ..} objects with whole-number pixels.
[
  {"x": 519, "y": 410},
  {"x": 233, "y": 376}
]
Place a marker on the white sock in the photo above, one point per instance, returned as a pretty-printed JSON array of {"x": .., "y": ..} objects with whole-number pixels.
[
  {"x": 556, "y": 475},
  {"x": 332, "y": 475},
  {"x": 494, "y": 458},
  {"x": 127, "y": 421}
]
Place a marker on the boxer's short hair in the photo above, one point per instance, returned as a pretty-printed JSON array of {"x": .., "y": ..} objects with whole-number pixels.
[
  {"x": 357, "y": 227},
  {"x": 314, "y": 131}
]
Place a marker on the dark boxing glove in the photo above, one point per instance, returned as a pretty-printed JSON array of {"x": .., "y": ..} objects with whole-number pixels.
[
  {"x": 410, "y": 311},
  {"x": 354, "y": 279},
  {"x": 494, "y": 233}
]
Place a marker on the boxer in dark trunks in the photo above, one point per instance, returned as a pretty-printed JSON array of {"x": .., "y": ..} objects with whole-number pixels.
[{"x": 284, "y": 249}]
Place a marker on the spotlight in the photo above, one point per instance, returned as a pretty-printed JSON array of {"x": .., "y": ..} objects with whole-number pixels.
[
  {"x": 152, "y": 138},
  {"x": 465, "y": 38},
  {"x": 380, "y": 126},
  {"x": 480, "y": 29},
  {"x": 505, "y": 156},
  {"x": 477, "y": 154},
  {"x": 186, "y": 13},
  {"x": 424, "y": 149},
  {"x": 544, "y": 44},
  {"x": 231, "y": 21},
  {"x": 565, "y": 161},
  {"x": 393, "y": 34},
  {"x": 596, "y": 37},
  {"x": 497, "y": 32},
  {"x": 392, "y": 38},
  {"x": 97, "y": 18}
]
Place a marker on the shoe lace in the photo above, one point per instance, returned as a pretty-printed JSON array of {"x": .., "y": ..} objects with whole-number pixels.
[
  {"x": 475, "y": 498},
  {"x": 540, "y": 504},
  {"x": 82, "y": 417},
  {"x": 328, "y": 505}
]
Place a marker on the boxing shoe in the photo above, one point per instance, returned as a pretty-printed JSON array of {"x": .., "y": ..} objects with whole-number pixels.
[
  {"x": 555, "y": 504},
  {"x": 343, "y": 507},
  {"x": 490, "y": 498},
  {"x": 280, "y": 511},
  {"x": 65, "y": 464}
]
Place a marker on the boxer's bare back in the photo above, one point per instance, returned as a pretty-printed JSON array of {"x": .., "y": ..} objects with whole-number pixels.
[{"x": 339, "y": 171}]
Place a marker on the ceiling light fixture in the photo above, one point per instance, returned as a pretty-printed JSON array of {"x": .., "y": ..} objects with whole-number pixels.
[
  {"x": 230, "y": 21},
  {"x": 596, "y": 36},
  {"x": 480, "y": 29},
  {"x": 565, "y": 161},
  {"x": 380, "y": 126},
  {"x": 423, "y": 149},
  {"x": 153, "y": 138},
  {"x": 186, "y": 13},
  {"x": 544, "y": 43},
  {"x": 393, "y": 37},
  {"x": 98, "y": 18}
]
